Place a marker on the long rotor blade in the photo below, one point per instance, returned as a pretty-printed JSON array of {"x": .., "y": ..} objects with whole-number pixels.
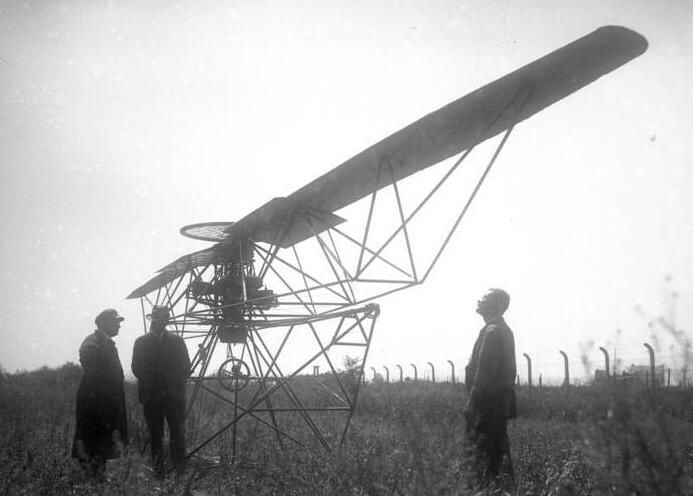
[{"x": 458, "y": 126}]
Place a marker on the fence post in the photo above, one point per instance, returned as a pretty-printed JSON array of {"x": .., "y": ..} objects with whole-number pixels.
[
  {"x": 374, "y": 373},
  {"x": 387, "y": 374},
  {"x": 652, "y": 363},
  {"x": 416, "y": 372},
  {"x": 539, "y": 380},
  {"x": 316, "y": 369},
  {"x": 606, "y": 362},
  {"x": 433, "y": 372},
  {"x": 668, "y": 378},
  {"x": 452, "y": 373},
  {"x": 566, "y": 379},
  {"x": 401, "y": 373},
  {"x": 529, "y": 370}
]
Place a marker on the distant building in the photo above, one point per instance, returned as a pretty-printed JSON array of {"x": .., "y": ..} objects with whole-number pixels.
[
  {"x": 641, "y": 373},
  {"x": 600, "y": 376}
]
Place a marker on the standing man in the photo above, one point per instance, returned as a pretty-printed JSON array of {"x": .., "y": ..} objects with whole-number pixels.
[
  {"x": 101, "y": 417},
  {"x": 161, "y": 363},
  {"x": 490, "y": 379}
]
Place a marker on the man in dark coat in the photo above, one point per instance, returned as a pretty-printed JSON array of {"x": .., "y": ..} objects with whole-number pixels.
[
  {"x": 101, "y": 417},
  {"x": 490, "y": 379},
  {"x": 161, "y": 363}
]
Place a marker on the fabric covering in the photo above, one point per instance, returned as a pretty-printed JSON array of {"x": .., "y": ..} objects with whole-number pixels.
[{"x": 458, "y": 126}]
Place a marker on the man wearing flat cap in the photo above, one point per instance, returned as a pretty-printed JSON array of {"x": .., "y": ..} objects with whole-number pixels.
[
  {"x": 490, "y": 380},
  {"x": 161, "y": 363},
  {"x": 101, "y": 416}
]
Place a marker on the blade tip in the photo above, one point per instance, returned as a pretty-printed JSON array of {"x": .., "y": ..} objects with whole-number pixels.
[{"x": 628, "y": 37}]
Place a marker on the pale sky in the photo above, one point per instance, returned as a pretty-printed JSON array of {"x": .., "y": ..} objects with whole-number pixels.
[{"x": 122, "y": 122}]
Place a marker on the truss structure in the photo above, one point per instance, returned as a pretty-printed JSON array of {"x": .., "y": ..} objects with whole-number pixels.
[
  {"x": 291, "y": 285},
  {"x": 263, "y": 325}
]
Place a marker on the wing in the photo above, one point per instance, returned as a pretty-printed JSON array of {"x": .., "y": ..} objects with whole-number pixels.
[
  {"x": 462, "y": 124},
  {"x": 458, "y": 126},
  {"x": 175, "y": 269}
]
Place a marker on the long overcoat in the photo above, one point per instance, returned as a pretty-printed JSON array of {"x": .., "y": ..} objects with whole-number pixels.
[
  {"x": 100, "y": 400},
  {"x": 490, "y": 374}
]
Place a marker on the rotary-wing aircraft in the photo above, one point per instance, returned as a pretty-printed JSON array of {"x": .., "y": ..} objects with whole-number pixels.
[{"x": 290, "y": 286}]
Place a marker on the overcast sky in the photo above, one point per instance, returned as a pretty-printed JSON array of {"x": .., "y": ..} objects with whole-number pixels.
[{"x": 123, "y": 121}]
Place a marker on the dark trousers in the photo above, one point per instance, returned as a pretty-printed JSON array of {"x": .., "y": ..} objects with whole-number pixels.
[
  {"x": 155, "y": 411},
  {"x": 489, "y": 438}
]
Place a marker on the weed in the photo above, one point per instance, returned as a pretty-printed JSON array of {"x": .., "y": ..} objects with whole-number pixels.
[{"x": 406, "y": 439}]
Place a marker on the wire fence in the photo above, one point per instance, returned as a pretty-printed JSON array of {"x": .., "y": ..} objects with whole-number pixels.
[{"x": 591, "y": 365}]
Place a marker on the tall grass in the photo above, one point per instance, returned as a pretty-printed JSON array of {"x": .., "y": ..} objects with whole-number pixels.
[{"x": 405, "y": 439}]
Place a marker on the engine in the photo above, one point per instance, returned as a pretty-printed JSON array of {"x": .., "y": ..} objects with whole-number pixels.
[{"x": 236, "y": 296}]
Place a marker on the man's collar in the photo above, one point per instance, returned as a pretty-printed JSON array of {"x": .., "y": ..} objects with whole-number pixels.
[
  {"x": 158, "y": 332},
  {"x": 103, "y": 335},
  {"x": 495, "y": 320}
]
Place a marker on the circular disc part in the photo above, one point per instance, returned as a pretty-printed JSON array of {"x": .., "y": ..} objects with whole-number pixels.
[
  {"x": 234, "y": 374},
  {"x": 207, "y": 231}
]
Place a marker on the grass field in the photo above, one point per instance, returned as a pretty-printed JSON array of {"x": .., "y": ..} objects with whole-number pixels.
[{"x": 405, "y": 439}]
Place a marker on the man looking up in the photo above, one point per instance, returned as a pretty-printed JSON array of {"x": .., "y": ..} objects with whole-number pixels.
[
  {"x": 490, "y": 379},
  {"x": 161, "y": 363}
]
